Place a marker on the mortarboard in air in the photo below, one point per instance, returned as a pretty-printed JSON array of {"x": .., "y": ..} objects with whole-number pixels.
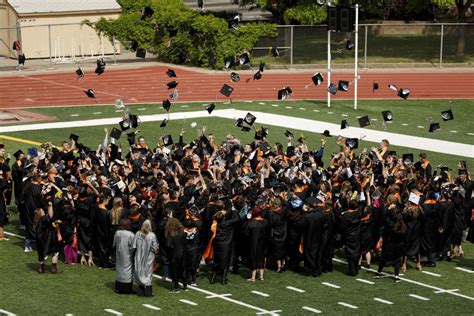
[
  {"x": 349, "y": 45},
  {"x": 434, "y": 127},
  {"x": 257, "y": 75},
  {"x": 171, "y": 73},
  {"x": 124, "y": 124},
  {"x": 352, "y": 143},
  {"x": 79, "y": 72},
  {"x": 226, "y": 90},
  {"x": 375, "y": 86},
  {"x": 407, "y": 158},
  {"x": 172, "y": 84},
  {"x": 403, "y": 93},
  {"x": 301, "y": 139},
  {"x": 141, "y": 53},
  {"x": 18, "y": 154},
  {"x": 327, "y": 133},
  {"x": 364, "y": 121},
  {"x": 343, "y": 85},
  {"x": 245, "y": 129},
  {"x": 74, "y": 137},
  {"x": 234, "y": 22},
  {"x": 234, "y": 77},
  {"x": 166, "y": 105},
  {"x": 249, "y": 119},
  {"x": 90, "y": 93},
  {"x": 210, "y": 107},
  {"x": 100, "y": 69},
  {"x": 32, "y": 152},
  {"x": 133, "y": 120},
  {"x": 344, "y": 124},
  {"x": 259, "y": 135},
  {"x": 265, "y": 131},
  {"x": 163, "y": 123},
  {"x": 393, "y": 87},
  {"x": 239, "y": 122},
  {"x": 317, "y": 78},
  {"x": 115, "y": 133},
  {"x": 283, "y": 94},
  {"x": 133, "y": 45},
  {"x": 244, "y": 59},
  {"x": 447, "y": 115},
  {"x": 261, "y": 67},
  {"x": 387, "y": 115},
  {"x": 131, "y": 138},
  {"x": 119, "y": 104},
  {"x": 147, "y": 12},
  {"x": 288, "y": 134},
  {"x": 229, "y": 62},
  {"x": 274, "y": 51},
  {"x": 332, "y": 89},
  {"x": 21, "y": 59}
]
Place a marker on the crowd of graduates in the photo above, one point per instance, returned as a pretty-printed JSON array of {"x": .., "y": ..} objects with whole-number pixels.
[{"x": 226, "y": 204}]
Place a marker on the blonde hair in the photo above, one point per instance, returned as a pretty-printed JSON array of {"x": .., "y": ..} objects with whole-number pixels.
[
  {"x": 117, "y": 209},
  {"x": 146, "y": 227}
]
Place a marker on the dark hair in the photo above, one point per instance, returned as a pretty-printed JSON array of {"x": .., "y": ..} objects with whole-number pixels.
[
  {"x": 125, "y": 224},
  {"x": 173, "y": 226}
]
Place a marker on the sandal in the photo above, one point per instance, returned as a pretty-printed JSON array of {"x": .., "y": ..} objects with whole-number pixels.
[{"x": 251, "y": 280}]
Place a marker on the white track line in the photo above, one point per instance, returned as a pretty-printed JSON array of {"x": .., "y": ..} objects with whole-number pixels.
[
  {"x": 260, "y": 293},
  {"x": 275, "y": 105},
  {"x": 314, "y": 310},
  {"x": 331, "y": 285},
  {"x": 7, "y": 313},
  {"x": 365, "y": 281},
  {"x": 464, "y": 270},
  {"x": 295, "y": 289},
  {"x": 188, "y": 302},
  {"x": 108, "y": 310},
  {"x": 219, "y": 295},
  {"x": 383, "y": 301},
  {"x": 347, "y": 305},
  {"x": 440, "y": 290},
  {"x": 315, "y": 110},
  {"x": 419, "y": 297},
  {"x": 431, "y": 273},
  {"x": 153, "y": 307}
]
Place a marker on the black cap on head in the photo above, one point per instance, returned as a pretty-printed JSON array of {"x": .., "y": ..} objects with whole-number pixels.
[
  {"x": 352, "y": 143},
  {"x": 288, "y": 133},
  {"x": 447, "y": 115},
  {"x": 317, "y": 78},
  {"x": 364, "y": 121},
  {"x": 141, "y": 53},
  {"x": 167, "y": 140},
  {"x": 234, "y": 77},
  {"x": 147, "y": 12},
  {"x": 387, "y": 115},
  {"x": 172, "y": 84},
  {"x": 259, "y": 135},
  {"x": 131, "y": 138},
  {"x": 257, "y": 75},
  {"x": 249, "y": 119},
  {"x": 332, "y": 89},
  {"x": 392, "y": 153},
  {"x": 163, "y": 123},
  {"x": 210, "y": 107},
  {"x": 403, "y": 93},
  {"x": 274, "y": 51},
  {"x": 79, "y": 72},
  {"x": 74, "y": 137},
  {"x": 133, "y": 45},
  {"x": 261, "y": 67},
  {"x": 226, "y": 90},
  {"x": 375, "y": 86},
  {"x": 166, "y": 105},
  {"x": 462, "y": 171},
  {"x": 90, "y": 93},
  {"x": 434, "y": 127},
  {"x": 290, "y": 151},
  {"x": 349, "y": 45},
  {"x": 343, "y": 85},
  {"x": 344, "y": 124},
  {"x": 171, "y": 73},
  {"x": 244, "y": 59},
  {"x": 18, "y": 153},
  {"x": 407, "y": 159},
  {"x": 115, "y": 133}
]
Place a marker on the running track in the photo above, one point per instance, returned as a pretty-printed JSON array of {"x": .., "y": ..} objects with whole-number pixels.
[{"x": 148, "y": 84}]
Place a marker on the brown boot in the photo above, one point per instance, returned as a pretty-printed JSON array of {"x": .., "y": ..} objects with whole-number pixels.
[
  {"x": 41, "y": 268},
  {"x": 54, "y": 268}
]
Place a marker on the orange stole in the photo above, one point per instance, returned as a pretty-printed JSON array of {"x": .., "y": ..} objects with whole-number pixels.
[{"x": 209, "y": 252}]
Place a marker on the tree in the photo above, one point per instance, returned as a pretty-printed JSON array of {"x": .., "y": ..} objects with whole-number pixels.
[{"x": 462, "y": 7}]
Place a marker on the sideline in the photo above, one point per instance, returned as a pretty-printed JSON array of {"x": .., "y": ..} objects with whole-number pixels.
[{"x": 415, "y": 142}]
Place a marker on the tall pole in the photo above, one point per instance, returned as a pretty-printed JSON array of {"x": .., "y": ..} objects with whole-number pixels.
[
  {"x": 356, "y": 55},
  {"x": 329, "y": 68}
]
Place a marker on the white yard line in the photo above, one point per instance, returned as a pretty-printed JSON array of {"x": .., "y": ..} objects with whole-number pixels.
[
  {"x": 464, "y": 270},
  {"x": 295, "y": 289},
  {"x": 431, "y": 273},
  {"x": 188, "y": 302},
  {"x": 331, "y": 285},
  {"x": 14, "y": 235},
  {"x": 108, "y": 310},
  {"x": 219, "y": 295},
  {"x": 261, "y": 103},
  {"x": 314, "y": 310},
  {"x": 275, "y": 312},
  {"x": 365, "y": 281},
  {"x": 6, "y": 313},
  {"x": 383, "y": 301},
  {"x": 97, "y": 113},
  {"x": 260, "y": 293},
  {"x": 347, "y": 305},
  {"x": 419, "y": 297},
  {"x": 303, "y": 109},
  {"x": 446, "y": 291},
  {"x": 153, "y": 307},
  {"x": 74, "y": 115},
  {"x": 275, "y": 105},
  {"x": 288, "y": 107}
]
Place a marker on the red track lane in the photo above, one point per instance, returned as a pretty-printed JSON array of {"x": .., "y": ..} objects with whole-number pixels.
[{"x": 149, "y": 85}]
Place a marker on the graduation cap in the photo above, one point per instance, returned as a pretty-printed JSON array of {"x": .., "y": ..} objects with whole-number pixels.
[
  {"x": 245, "y": 129},
  {"x": 344, "y": 124},
  {"x": 90, "y": 93},
  {"x": 18, "y": 153},
  {"x": 244, "y": 59},
  {"x": 414, "y": 198},
  {"x": 79, "y": 72},
  {"x": 229, "y": 62},
  {"x": 131, "y": 138},
  {"x": 364, "y": 121},
  {"x": 124, "y": 125},
  {"x": 226, "y": 90},
  {"x": 332, "y": 89},
  {"x": 133, "y": 45},
  {"x": 284, "y": 93},
  {"x": 166, "y": 105},
  {"x": 100, "y": 66},
  {"x": 349, "y": 45},
  {"x": 301, "y": 139},
  {"x": 167, "y": 140},
  {"x": 172, "y": 84},
  {"x": 74, "y": 137},
  {"x": 239, "y": 122},
  {"x": 343, "y": 85},
  {"x": 147, "y": 12},
  {"x": 447, "y": 115},
  {"x": 133, "y": 120},
  {"x": 327, "y": 133},
  {"x": 434, "y": 127},
  {"x": 141, "y": 53},
  {"x": 403, "y": 93},
  {"x": 274, "y": 51},
  {"x": 119, "y": 104},
  {"x": 163, "y": 123},
  {"x": 392, "y": 153},
  {"x": 387, "y": 115},
  {"x": 21, "y": 59},
  {"x": 115, "y": 133},
  {"x": 375, "y": 86},
  {"x": 249, "y": 119},
  {"x": 257, "y": 75},
  {"x": 265, "y": 147},
  {"x": 352, "y": 143},
  {"x": 317, "y": 78},
  {"x": 234, "y": 77},
  {"x": 234, "y": 22},
  {"x": 259, "y": 134},
  {"x": 289, "y": 134},
  {"x": 407, "y": 159},
  {"x": 261, "y": 67},
  {"x": 32, "y": 152},
  {"x": 171, "y": 73},
  {"x": 210, "y": 107}
]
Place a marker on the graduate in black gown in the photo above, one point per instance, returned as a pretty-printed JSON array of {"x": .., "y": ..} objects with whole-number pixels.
[
  {"x": 278, "y": 232},
  {"x": 350, "y": 229},
  {"x": 18, "y": 172},
  {"x": 412, "y": 218},
  {"x": 4, "y": 186},
  {"x": 327, "y": 252},
  {"x": 47, "y": 240},
  {"x": 431, "y": 227},
  {"x": 85, "y": 217},
  {"x": 313, "y": 236},
  {"x": 102, "y": 238},
  {"x": 296, "y": 228},
  {"x": 193, "y": 231},
  {"x": 175, "y": 242},
  {"x": 255, "y": 229},
  {"x": 33, "y": 199}
]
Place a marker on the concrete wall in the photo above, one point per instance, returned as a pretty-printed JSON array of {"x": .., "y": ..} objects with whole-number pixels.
[{"x": 8, "y": 18}]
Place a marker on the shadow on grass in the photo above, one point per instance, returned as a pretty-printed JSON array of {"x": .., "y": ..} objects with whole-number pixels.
[{"x": 466, "y": 263}]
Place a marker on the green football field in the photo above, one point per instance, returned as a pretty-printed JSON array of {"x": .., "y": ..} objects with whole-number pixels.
[{"x": 79, "y": 290}]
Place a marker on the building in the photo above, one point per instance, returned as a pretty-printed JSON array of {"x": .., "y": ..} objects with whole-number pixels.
[{"x": 53, "y": 28}]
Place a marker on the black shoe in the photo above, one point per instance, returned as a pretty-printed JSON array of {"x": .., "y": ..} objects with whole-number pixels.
[
  {"x": 224, "y": 281},
  {"x": 397, "y": 279},
  {"x": 175, "y": 291},
  {"x": 213, "y": 278},
  {"x": 378, "y": 275}
]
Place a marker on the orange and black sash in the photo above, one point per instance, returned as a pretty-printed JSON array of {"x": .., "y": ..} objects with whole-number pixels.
[
  {"x": 430, "y": 202},
  {"x": 209, "y": 252},
  {"x": 425, "y": 164}
]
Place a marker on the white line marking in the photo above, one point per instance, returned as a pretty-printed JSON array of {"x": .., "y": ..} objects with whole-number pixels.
[
  {"x": 453, "y": 131},
  {"x": 261, "y": 103},
  {"x": 344, "y": 115},
  {"x": 185, "y": 106},
  {"x": 108, "y": 310},
  {"x": 330, "y": 112},
  {"x": 374, "y": 120},
  {"x": 118, "y": 111},
  {"x": 275, "y": 312},
  {"x": 7, "y": 313},
  {"x": 431, "y": 273},
  {"x": 275, "y": 105},
  {"x": 14, "y": 235},
  {"x": 389, "y": 122},
  {"x": 383, "y": 301},
  {"x": 288, "y": 107},
  {"x": 365, "y": 281},
  {"x": 69, "y": 315},
  {"x": 314, "y": 310},
  {"x": 96, "y": 113},
  {"x": 464, "y": 270},
  {"x": 219, "y": 295},
  {"x": 188, "y": 302},
  {"x": 141, "y": 109},
  {"x": 153, "y": 307},
  {"x": 74, "y": 115},
  {"x": 347, "y": 305},
  {"x": 419, "y": 297},
  {"x": 295, "y": 289},
  {"x": 303, "y": 109},
  {"x": 260, "y": 293},
  {"x": 248, "y": 101},
  {"x": 419, "y": 126},
  {"x": 452, "y": 291},
  {"x": 471, "y": 134},
  {"x": 403, "y": 124},
  {"x": 315, "y": 110},
  {"x": 331, "y": 285}
]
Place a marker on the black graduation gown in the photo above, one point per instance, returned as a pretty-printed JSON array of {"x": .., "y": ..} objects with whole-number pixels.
[
  {"x": 101, "y": 235},
  {"x": 192, "y": 251},
  {"x": 458, "y": 221},
  {"x": 445, "y": 210},
  {"x": 69, "y": 222},
  {"x": 3, "y": 206},
  {"x": 366, "y": 230},
  {"x": 33, "y": 200},
  {"x": 430, "y": 225},
  {"x": 176, "y": 245},
  {"x": 222, "y": 243},
  {"x": 278, "y": 233},
  {"x": 327, "y": 241},
  {"x": 393, "y": 241},
  {"x": 350, "y": 230},
  {"x": 46, "y": 238},
  {"x": 17, "y": 175},
  {"x": 412, "y": 235},
  {"x": 255, "y": 230},
  {"x": 85, "y": 222},
  {"x": 296, "y": 228},
  {"x": 313, "y": 241}
]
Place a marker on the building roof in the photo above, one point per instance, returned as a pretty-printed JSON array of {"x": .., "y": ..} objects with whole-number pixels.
[{"x": 54, "y": 6}]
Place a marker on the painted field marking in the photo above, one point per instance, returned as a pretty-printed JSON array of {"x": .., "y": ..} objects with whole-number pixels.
[
  {"x": 275, "y": 312},
  {"x": 118, "y": 111},
  {"x": 141, "y": 109},
  {"x": 315, "y": 110},
  {"x": 383, "y": 301},
  {"x": 153, "y": 307},
  {"x": 13, "y": 235},
  {"x": 331, "y": 285},
  {"x": 188, "y": 302},
  {"x": 344, "y": 115},
  {"x": 330, "y": 112},
  {"x": 389, "y": 122},
  {"x": 464, "y": 270},
  {"x": 74, "y": 115},
  {"x": 303, "y": 109},
  {"x": 452, "y": 291},
  {"x": 260, "y": 293},
  {"x": 185, "y": 106},
  {"x": 471, "y": 134},
  {"x": 275, "y": 105},
  {"x": 347, "y": 305},
  {"x": 261, "y": 103},
  {"x": 20, "y": 140},
  {"x": 419, "y": 297},
  {"x": 403, "y": 124},
  {"x": 431, "y": 273},
  {"x": 7, "y": 313},
  {"x": 314, "y": 310},
  {"x": 69, "y": 315},
  {"x": 108, "y": 310},
  {"x": 248, "y": 101},
  {"x": 219, "y": 295},
  {"x": 419, "y": 126},
  {"x": 365, "y": 281},
  {"x": 453, "y": 131},
  {"x": 295, "y": 289},
  {"x": 375, "y": 120},
  {"x": 288, "y": 107},
  {"x": 97, "y": 113}
]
